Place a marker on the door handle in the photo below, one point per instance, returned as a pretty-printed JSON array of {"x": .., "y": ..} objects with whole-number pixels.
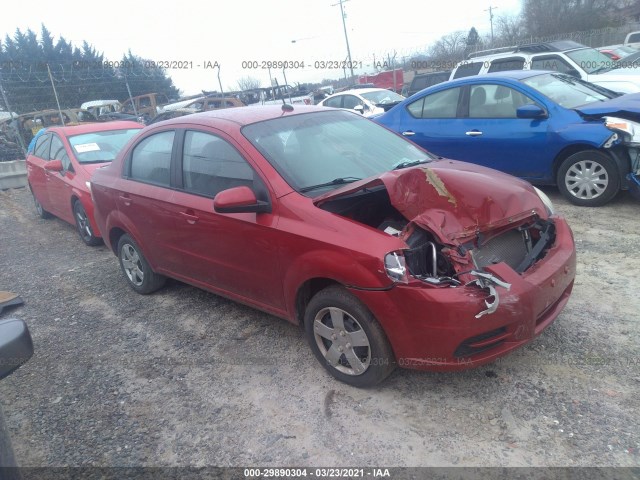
[
  {"x": 473, "y": 133},
  {"x": 191, "y": 219},
  {"x": 126, "y": 200},
  {"x": 408, "y": 133}
]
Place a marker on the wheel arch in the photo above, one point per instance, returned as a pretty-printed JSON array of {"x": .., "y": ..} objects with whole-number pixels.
[
  {"x": 305, "y": 293},
  {"x": 616, "y": 154}
]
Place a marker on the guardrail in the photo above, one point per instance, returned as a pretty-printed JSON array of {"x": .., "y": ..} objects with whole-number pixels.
[{"x": 13, "y": 174}]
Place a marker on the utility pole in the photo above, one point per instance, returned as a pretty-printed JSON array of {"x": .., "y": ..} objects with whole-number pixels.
[
  {"x": 346, "y": 38},
  {"x": 490, "y": 10}
]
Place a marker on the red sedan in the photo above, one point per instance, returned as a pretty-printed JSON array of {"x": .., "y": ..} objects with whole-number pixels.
[
  {"x": 383, "y": 253},
  {"x": 61, "y": 165}
]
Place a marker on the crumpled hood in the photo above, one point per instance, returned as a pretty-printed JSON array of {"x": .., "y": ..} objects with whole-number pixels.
[
  {"x": 454, "y": 200},
  {"x": 625, "y": 105}
]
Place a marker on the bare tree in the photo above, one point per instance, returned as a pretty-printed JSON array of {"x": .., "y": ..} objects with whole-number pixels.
[
  {"x": 248, "y": 83},
  {"x": 509, "y": 29},
  {"x": 549, "y": 17},
  {"x": 449, "y": 47}
]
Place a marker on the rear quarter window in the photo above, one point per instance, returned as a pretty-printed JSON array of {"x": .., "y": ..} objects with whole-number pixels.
[{"x": 468, "y": 69}]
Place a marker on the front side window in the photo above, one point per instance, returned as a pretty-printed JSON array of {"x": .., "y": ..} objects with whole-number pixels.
[
  {"x": 495, "y": 101},
  {"x": 151, "y": 159},
  {"x": 552, "y": 62},
  {"x": 351, "y": 101},
  {"x": 210, "y": 165}
]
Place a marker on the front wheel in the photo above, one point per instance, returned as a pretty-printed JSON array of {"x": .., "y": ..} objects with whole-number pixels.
[
  {"x": 84, "y": 226},
  {"x": 346, "y": 338},
  {"x": 136, "y": 269},
  {"x": 589, "y": 178}
]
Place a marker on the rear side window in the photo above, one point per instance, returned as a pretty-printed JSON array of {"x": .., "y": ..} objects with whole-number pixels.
[
  {"x": 335, "y": 102},
  {"x": 151, "y": 159},
  {"x": 210, "y": 165},
  {"x": 442, "y": 104},
  {"x": 468, "y": 69},
  {"x": 504, "y": 64}
]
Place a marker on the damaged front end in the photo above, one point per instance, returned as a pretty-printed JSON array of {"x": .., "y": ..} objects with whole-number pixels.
[
  {"x": 627, "y": 133},
  {"x": 453, "y": 234},
  {"x": 429, "y": 261}
]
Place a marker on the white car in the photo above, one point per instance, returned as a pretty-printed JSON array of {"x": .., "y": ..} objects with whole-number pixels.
[{"x": 367, "y": 101}]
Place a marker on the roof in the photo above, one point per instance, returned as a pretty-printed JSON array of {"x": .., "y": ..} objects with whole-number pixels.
[
  {"x": 245, "y": 115},
  {"x": 94, "y": 127}
]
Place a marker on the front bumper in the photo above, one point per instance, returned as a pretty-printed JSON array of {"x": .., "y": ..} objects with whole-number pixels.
[{"x": 435, "y": 328}]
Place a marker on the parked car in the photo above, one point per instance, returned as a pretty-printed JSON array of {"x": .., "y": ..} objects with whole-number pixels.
[
  {"x": 546, "y": 127},
  {"x": 564, "y": 56},
  {"x": 101, "y": 107},
  {"x": 16, "y": 347},
  {"x": 204, "y": 104},
  {"x": 145, "y": 106},
  {"x": 385, "y": 254},
  {"x": 617, "y": 52},
  {"x": 366, "y": 101},
  {"x": 168, "y": 114},
  {"x": 632, "y": 39},
  {"x": 28, "y": 124},
  {"x": 424, "y": 80},
  {"x": 59, "y": 169}
]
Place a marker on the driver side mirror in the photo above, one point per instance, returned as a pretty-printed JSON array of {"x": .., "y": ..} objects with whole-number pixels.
[
  {"x": 359, "y": 109},
  {"x": 54, "y": 166},
  {"x": 239, "y": 200},
  {"x": 530, "y": 111}
]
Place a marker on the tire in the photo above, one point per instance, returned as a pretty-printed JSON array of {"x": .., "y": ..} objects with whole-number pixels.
[
  {"x": 589, "y": 178},
  {"x": 136, "y": 269},
  {"x": 42, "y": 213},
  {"x": 84, "y": 226},
  {"x": 362, "y": 365}
]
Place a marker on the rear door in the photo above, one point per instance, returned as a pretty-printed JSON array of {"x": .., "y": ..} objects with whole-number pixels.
[
  {"x": 145, "y": 197},
  {"x": 431, "y": 122},
  {"x": 38, "y": 179}
]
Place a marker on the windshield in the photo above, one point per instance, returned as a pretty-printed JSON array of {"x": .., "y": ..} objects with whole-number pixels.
[
  {"x": 591, "y": 60},
  {"x": 334, "y": 147},
  {"x": 568, "y": 91},
  {"x": 382, "y": 97},
  {"x": 100, "y": 146}
]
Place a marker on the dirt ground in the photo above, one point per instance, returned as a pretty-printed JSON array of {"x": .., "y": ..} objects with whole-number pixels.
[{"x": 184, "y": 377}]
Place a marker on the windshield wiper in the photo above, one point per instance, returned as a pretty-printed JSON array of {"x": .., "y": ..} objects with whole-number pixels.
[
  {"x": 401, "y": 165},
  {"x": 335, "y": 181}
]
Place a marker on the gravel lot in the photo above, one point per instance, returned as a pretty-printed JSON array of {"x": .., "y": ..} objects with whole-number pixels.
[{"x": 183, "y": 377}]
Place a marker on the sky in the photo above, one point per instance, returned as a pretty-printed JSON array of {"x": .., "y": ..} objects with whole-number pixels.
[{"x": 240, "y": 35}]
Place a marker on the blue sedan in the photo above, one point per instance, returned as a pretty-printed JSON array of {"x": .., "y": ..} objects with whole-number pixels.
[{"x": 546, "y": 127}]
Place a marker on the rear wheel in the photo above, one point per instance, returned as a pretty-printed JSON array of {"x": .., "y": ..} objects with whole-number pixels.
[
  {"x": 589, "y": 178},
  {"x": 136, "y": 269},
  {"x": 42, "y": 213},
  {"x": 346, "y": 338},
  {"x": 84, "y": 226}
]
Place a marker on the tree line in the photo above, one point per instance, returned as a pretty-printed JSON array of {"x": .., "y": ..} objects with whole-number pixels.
[{"x": 29, "y": 65}]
